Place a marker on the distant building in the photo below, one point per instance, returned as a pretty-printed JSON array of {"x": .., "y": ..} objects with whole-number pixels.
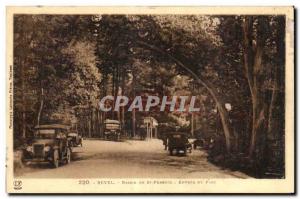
[{"x": 150, "y": 124}]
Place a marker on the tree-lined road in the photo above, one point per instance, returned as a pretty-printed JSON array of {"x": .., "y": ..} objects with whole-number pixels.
[{"x": 130, "y": 159}]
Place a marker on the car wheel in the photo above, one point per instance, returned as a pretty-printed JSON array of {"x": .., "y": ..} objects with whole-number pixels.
[
  {"x": 68, "y": 156},
  {"x": 55, "y": 159}
]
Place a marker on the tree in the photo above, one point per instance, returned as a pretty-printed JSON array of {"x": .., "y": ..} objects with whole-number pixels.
[
  {"x": 257, "y": 44},
  {"x": 41, "y": 57}
]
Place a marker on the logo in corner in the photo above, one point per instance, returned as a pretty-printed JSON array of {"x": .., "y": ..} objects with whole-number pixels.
[{"x": 17, "y": 185}]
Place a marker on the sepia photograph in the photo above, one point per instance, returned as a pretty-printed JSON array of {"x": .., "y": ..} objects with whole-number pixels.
[{"x": 134, "y": 99}]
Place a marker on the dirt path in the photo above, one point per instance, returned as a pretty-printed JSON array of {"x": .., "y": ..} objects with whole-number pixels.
[{"x": 139, "y": 159}]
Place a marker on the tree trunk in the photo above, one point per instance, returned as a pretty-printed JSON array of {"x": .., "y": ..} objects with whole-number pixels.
[
  {"x": 89, "y": 122},
  {"x": 192, "y": 124},
  {"x": 41, "y": 107},
  {"x": 253, "y": 68},
  {"x": 117, "y": 90},
  {"x": 133, "y": 111},
  {"x": 271, "y": 107},
  {"x": 92, "y": 122},
  {"x": 23, "y": 101},
  {"x": 123, "y": 108},
  {"x": 100, "y": 123},
  {"x": 96, "y": 122},
  {"x": 277, "y": 74}
]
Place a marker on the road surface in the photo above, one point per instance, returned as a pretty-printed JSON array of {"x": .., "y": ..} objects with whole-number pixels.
[{"x": 129, "y": 159}]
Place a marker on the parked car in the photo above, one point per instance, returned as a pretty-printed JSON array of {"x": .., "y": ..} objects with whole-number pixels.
[
  {"x": 49, "y": 144},
  {"x": 179, "y": 142},
  {"x": 75, "y": 139},
  {"x": 203, "y": 140},
  {"x": 199, "y": 142},
  {"x": 112, "y": 129}
]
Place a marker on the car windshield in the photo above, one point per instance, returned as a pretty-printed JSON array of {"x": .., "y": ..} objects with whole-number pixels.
[{"x": 45, "y": 133}]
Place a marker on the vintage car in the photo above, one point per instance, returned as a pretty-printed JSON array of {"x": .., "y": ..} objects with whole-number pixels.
[
  {"x": 199, "y": 143},
  {"x": 112, "y": 129},
  {"x": 75, "y": 139},
  {"x": 178, "y": 142},
  {"x": 49, "y": 144},
  {"x": 204, "y": 140}
]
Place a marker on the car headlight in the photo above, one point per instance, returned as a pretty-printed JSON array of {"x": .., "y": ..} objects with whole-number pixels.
[
  {"x": 29, "y": 148},
  {"x": 47, "y": 148}
]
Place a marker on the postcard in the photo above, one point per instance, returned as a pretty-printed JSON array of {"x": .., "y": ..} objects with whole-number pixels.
[{"x": 150, "y": 100}]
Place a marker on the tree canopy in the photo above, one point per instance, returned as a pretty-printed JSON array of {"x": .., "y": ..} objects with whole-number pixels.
[{"x": 64, "y": 64}]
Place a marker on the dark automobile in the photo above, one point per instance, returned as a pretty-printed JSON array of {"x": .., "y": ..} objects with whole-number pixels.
[
  {"x": 49, "y": 144},
  {"x": 199, "y": 143},
  {"x": 178, "y": 142},
  {"x": 112, "y": 130},
  {"x": 75, "y": 139},
  {"x": 204, "y": 140}
]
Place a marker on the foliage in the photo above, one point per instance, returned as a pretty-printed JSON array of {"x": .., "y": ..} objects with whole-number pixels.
[{"x": 63, "y": 65}]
